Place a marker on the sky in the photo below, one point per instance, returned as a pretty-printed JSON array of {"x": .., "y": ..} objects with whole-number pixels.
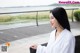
[
  {"x": 25, "y": 2},
  {"x": 9, "y": 3}
]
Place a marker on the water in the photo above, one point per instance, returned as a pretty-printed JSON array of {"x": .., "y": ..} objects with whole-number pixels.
[
  {"x": 25, "y": 9},
  {"x": 3, "y": 10}
]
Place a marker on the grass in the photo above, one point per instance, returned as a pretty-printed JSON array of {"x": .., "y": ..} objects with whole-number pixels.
[
  {"x": 5, "y": 18},
  {"x": 25, "y": 17},
  {"x": 28, "y": 17}
]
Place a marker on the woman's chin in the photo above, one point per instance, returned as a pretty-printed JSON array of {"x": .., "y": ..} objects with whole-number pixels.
[{"x": 52, "y": 26}]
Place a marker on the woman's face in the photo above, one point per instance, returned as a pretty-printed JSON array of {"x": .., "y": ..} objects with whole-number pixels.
[{"x": 54, "y": 23}]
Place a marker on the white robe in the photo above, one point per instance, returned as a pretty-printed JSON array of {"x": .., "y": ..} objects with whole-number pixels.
[{"x": 65, "y": 43}]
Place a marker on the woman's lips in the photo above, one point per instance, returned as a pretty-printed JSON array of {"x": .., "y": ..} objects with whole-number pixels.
[{"x": 52, "y": 24}]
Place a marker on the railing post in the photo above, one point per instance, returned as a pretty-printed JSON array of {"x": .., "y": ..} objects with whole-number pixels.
[
  {"x": 37, "y": 19},
  {"x": 72, "y": 15}
]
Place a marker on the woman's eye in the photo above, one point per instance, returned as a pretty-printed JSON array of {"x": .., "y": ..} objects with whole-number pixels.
[{"x": 52, "y": 17}]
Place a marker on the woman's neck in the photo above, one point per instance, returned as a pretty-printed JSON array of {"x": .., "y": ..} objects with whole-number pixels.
[{"x": 58, "y": 31}]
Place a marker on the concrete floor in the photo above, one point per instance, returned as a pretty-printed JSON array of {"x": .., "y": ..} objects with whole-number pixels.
[{"x": 13, "y": 34}]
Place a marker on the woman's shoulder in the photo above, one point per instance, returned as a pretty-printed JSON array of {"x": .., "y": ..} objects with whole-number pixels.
[{"x": 68, "y": 34}]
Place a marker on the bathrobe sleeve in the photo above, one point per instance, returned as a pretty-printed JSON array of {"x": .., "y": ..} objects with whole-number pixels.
[{"x": 41, "y": 49}]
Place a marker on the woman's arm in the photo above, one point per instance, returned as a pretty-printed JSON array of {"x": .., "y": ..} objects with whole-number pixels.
[{"x": 41, "y": 49}]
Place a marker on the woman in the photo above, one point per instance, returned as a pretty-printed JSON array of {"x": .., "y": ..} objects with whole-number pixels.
[{"x": 61, "y": 39}]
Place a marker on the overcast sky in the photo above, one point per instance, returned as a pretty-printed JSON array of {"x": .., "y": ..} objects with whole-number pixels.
[{"x": 7, "y": 3}]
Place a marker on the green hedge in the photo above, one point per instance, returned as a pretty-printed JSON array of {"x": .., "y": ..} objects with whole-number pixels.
[{"x": 77, "y": 15}]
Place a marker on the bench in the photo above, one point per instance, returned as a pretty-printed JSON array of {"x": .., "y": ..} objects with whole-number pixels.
[{"x": 77, "y": 45}]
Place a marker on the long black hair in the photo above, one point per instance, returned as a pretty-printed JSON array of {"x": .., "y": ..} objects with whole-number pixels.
[{"x": 60, "y": 14}]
